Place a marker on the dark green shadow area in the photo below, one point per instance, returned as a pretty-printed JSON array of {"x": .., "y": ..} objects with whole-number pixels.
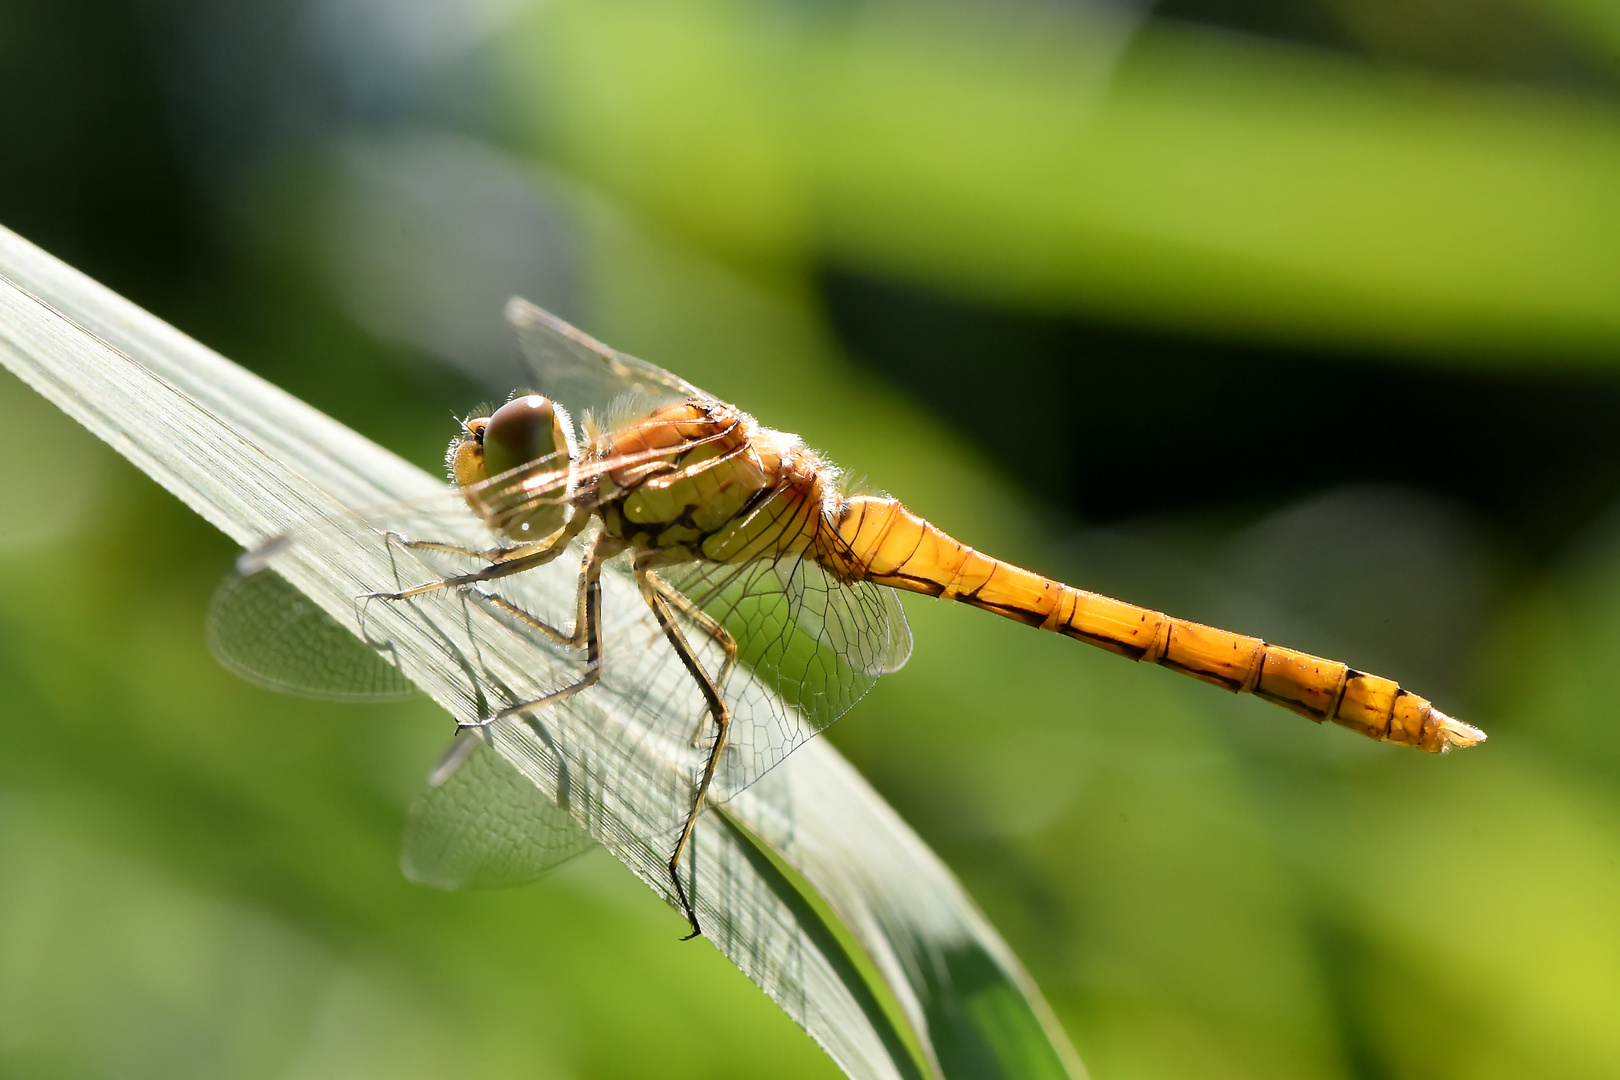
[
  {"x": 982, "y": 1024},
  {"x": 818, "y": 924}
]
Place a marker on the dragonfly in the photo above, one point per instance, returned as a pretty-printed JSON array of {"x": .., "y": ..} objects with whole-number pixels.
[{"x": 766, "y": 593}]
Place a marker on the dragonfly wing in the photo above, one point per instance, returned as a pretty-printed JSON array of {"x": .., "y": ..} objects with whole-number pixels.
[
  {"x": 899, "y": 650},
  {"x": 809, "y": 647},
  {"x": 481, "y": 824},
  {"x": 585, "y": 375},
  {"x": 263, "y": 629}
]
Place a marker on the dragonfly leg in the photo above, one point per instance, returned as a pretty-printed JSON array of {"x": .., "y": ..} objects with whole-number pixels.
[
  {"x": 575, "y": 640},
  {"x": 665, "y": 614},
  {"x": 588, "y": 632},
  {"x": 600, "y": 551},
  {"x": 708, "y": 625},
  {"x": 455, "y": 756},
  {"x": 494, "y": 554},
  {"x": 516, "y": 564}
]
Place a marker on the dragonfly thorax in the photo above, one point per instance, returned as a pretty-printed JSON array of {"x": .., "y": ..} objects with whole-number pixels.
[{"x": 703, "y": 480}]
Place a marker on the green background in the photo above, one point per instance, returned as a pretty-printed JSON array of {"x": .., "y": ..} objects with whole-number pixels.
[{"x": 1298, "y": 319}]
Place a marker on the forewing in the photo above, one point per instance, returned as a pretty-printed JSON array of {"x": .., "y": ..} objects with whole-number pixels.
[
  {"x": 481, "y": 824},
  {"x": 264, "y": 630},
  {"x": 585, "y": 375},
  {"x": 267, "y": 632}
]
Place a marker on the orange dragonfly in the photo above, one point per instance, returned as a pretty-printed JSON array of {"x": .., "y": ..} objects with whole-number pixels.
[{"x": 744, "y": 550}]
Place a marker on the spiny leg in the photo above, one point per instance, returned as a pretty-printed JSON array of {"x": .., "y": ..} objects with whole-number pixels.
[
  {"x": 722, "y": 722},
  {"x": 587, "y": 630},
  {"x": 527, "y": 556},
  {"x": 708, "y": 625},
  {"x": 491, "y": 555},
  {"x": 575, "y": 640},
  {"x": 505, "y": 568}
]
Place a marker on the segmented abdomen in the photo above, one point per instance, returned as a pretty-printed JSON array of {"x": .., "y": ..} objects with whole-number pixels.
[{"x": 878, "y": 539}]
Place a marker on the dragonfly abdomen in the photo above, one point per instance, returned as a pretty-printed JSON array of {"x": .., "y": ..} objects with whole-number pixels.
[{"x": 879, "y": 540}]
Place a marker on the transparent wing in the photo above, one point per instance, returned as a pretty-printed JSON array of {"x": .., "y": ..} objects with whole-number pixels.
[
  {"x": 263, "y": 629},
  {"x": 267, "y": 632},
  {"x": 481, "y": 824},
  {"x": 809, "y": 647},
  {"x": 585, "y": 375}
]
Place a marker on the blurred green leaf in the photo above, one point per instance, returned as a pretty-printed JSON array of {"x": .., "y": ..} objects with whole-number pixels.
[{"x": 1201, "y": 181}]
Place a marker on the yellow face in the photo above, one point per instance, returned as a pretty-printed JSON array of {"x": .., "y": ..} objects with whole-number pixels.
[{"x": 466, "y": 456}]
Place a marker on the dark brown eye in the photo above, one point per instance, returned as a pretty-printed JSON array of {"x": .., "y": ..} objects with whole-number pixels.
[{"x": 525, "y": 429}]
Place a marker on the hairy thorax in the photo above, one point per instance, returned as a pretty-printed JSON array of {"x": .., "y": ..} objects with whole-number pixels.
[{"x": 703, "y": 480}]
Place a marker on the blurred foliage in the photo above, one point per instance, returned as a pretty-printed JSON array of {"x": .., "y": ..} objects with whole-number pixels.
[
  {"x": 1296, "y": 318},
  {"x": 1211, "y": 183}
]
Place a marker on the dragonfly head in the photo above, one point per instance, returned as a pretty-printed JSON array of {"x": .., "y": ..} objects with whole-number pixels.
[{"x": 528, "y": 431}]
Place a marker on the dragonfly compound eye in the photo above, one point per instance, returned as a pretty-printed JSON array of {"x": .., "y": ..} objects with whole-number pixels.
[{"x": 525, "y": 429}]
